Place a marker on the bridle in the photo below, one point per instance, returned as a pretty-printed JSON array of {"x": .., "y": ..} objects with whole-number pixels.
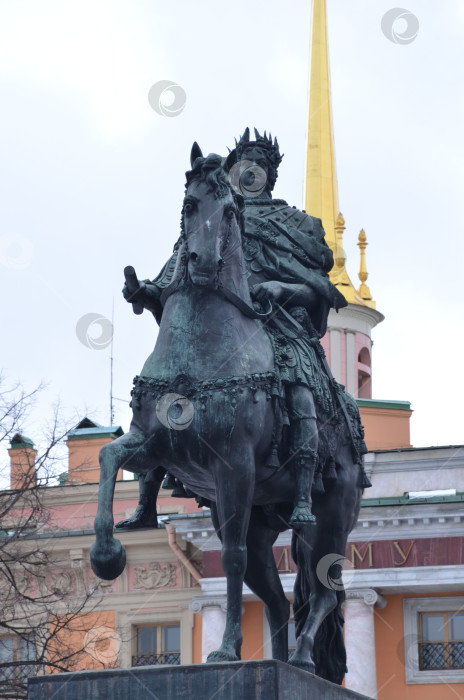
[{"x": 218, "y": 287}]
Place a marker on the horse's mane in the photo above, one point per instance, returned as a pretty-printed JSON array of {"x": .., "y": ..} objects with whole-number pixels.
[{"x": 210, "y": 171}]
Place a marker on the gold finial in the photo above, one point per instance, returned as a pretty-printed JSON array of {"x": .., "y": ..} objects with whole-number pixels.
[
  {"x": 338, "y": 274},
  {"x": 339, "y": 253},
  {"x": 363, "y": 291}
]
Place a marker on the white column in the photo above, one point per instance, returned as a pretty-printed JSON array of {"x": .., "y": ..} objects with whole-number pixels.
[
  {"x": 335, "y": 350},
  {"x": 360, "y": 640},
  {"x": 213, "y": 612},
  {"x": 351, "y": 364}
]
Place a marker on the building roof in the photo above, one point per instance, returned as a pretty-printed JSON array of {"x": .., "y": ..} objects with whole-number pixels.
[
  {"x": 20, "y": 441},
  {"x": 87, "y": 429}
]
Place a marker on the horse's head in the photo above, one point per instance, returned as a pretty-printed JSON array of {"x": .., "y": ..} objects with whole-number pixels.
[{"x": 210, "y": 218}]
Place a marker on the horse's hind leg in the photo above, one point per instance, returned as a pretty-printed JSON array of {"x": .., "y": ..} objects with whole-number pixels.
[
  {"x": 262, "y": 577},
  {"x": 313, "y": 599},
  {"x": 107, "y": 556},
  {"x": 320, "y": 552}
]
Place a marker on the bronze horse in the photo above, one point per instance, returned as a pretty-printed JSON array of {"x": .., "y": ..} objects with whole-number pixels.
[{"x": 202, "y": 410}]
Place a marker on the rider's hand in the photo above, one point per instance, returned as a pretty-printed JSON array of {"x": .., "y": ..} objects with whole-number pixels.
[
  {"x": 265, "y": 291},
  {"x": 137, "y": 297}
]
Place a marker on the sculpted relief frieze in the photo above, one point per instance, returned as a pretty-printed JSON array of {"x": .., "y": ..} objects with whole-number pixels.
[
  {"x": 155, "y": 575},
  {"x": 98, "y": 584}
]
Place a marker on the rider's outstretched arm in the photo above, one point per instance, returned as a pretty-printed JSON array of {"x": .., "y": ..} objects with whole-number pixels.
[{"x": 147, "y": 295}]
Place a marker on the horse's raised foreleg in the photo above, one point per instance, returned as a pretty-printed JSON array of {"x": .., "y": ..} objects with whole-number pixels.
[
  {"x": 234, "y": 488},
  {"x": 262, "y": 577},
  {"x": 107, "y": 556}
]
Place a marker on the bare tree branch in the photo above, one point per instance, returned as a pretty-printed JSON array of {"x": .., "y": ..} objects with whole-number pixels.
[{"x": 46, "y": 608}]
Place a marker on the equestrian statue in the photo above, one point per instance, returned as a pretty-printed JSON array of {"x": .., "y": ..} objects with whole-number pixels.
[{"x": 237, "y": 404}]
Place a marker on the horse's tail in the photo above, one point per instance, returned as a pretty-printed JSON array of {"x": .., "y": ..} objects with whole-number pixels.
[{"x": 329, "y": 646}]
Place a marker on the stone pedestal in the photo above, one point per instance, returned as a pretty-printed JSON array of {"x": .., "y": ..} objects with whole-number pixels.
[{"x": 243, "y": 680}]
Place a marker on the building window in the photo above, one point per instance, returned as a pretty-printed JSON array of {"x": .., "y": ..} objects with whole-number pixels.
[
  {"x": 157, "y": 645},
  {"x": 434, "y": 640},
  {"x": 364, "y": 374},
  {"x": 441, "y": 642},
  {"x": 13, "y": 651}
]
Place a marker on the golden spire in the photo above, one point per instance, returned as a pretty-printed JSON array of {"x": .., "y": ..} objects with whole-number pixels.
[
  {"x": 321, "y": 196},
  {"x": 321, "y": 190}
]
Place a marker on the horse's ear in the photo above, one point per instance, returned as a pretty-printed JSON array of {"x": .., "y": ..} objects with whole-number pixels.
[
  {"x": 195, "y": 153},
  {"x": 230, "y": 161}
]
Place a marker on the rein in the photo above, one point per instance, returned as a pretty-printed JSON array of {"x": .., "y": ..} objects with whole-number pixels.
[
  {"x": 234, "y": 299},
  {"x": 241, "y": 305},
  {"x": 227, "y": 294}
]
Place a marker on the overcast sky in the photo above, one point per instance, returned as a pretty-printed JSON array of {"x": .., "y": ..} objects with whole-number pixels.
[{"x": 92, "y": 176}]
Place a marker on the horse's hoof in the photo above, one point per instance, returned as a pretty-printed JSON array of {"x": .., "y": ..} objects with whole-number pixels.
[
  {"x": 308, "y": 666},
  {"x": 221, "y": 656},
  {"x": 108, "y": 562}
]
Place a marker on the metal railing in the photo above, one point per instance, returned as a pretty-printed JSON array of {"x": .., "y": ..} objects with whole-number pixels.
[
  {"x": 441, "y": 655},
  {"x": 18, "y": 671},
  {"x": 167, "y": 658}
]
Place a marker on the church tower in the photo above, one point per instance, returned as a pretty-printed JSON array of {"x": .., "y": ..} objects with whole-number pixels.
[{"x": 348, "y": 342}]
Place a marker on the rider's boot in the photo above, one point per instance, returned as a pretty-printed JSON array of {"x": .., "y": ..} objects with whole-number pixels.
[
  {"x": 303, "y": 447},
  {"x": 145, "y": 514},
  {"x": 305, "y": 465}
]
